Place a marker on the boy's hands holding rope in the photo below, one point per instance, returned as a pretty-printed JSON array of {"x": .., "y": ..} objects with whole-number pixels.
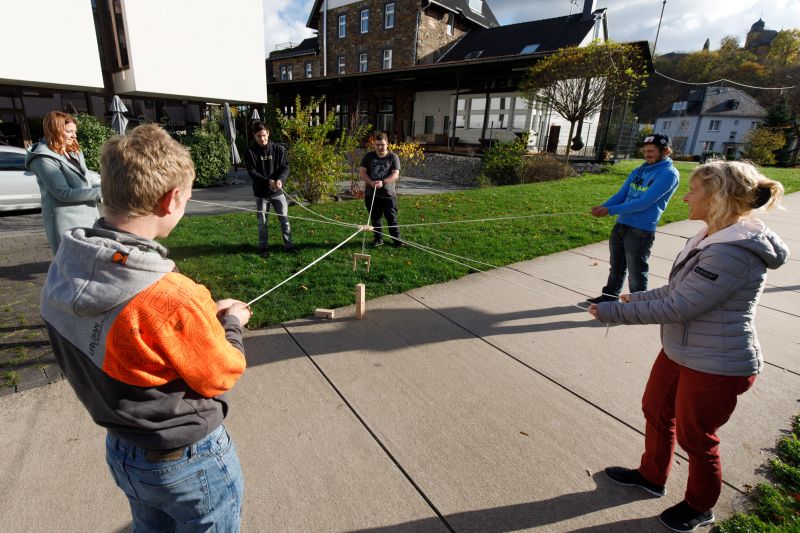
[{"x": 240, "y": 310}]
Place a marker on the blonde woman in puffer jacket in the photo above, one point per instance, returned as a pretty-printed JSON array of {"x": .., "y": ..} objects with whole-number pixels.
[{"x": 710, "y": 351}]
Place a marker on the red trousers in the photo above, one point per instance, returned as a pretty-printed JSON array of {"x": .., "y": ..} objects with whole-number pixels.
[{"x": 692, "y": 405}]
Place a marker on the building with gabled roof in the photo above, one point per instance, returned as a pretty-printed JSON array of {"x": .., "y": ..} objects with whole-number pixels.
[
  {"x": 711, "y": 120},
  {"x": 439, "y": 71}
]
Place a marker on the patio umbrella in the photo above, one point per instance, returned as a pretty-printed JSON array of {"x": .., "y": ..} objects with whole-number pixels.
[
  {"x": 230, "y": 134},
  {"x": 118, "y": 120}
]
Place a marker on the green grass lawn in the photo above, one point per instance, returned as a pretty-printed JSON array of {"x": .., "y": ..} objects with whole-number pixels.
[{"x": 222, "y": 251}]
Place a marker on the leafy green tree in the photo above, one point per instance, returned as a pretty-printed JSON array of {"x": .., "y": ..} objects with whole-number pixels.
[
  {"x": 576, "y": 82},
  {"x": 785, "y": 48},
  {"x": 92, "y": 134},
  {"x": 761, "y": 144},
  {"x": 210, "y": 153},
  {"x": 316, "y": 158}
]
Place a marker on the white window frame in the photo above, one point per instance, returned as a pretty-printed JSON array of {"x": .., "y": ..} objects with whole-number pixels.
[
  {"x": 713, "y": 123},
  {"x": 342, "y": 26},
  {"x": 340, "y": 65},
  {"x": 283, "y": 73},
  {"x": 387, "y": 59},
  {"x": 388, "y": 16},
  {"x": 365, "y": 21},
  {"x": 708, "y": 146},
  {"x": 666, "y": 126},
  {"x": 309, "y": 70},
  {"x": 362, "y": 62},
  {"x": 289, "y": 72}
]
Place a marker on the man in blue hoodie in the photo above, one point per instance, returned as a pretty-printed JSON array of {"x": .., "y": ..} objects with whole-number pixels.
[{"x": 638, "y": 205}]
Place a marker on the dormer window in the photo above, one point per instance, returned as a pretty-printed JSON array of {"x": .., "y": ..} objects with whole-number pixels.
[
  {"x": 733, "y": 104},
  {"x": 529, "y": 49},
  {"x": 476, "y": 5},
  {"x": 475, "y": 54}
]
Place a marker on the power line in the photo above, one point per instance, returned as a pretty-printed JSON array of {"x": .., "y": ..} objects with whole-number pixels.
[{"x": 724, "y": 80}]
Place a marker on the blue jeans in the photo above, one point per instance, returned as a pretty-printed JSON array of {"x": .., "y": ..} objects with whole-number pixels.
[
  {"x": 281, "y": 207},
  {"x": 201, "y": 490},
  {"x": 630, "y": 250}
]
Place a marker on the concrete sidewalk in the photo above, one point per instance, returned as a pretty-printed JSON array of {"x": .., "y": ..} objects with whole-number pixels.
[{"x": 491, "y": 403}]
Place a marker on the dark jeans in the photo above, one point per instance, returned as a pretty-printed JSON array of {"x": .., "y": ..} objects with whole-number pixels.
[
  {"x": 262, "y": 211},
  {"x": 630, "y": 250},
  {"x": 384, "y": 206}
]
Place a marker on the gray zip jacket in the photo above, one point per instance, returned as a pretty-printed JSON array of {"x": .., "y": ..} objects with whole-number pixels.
[{"x": 707, "y": 311}]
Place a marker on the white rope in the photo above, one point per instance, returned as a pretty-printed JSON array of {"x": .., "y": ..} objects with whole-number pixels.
[
  {"x": 229, "y": 206},
  {"x": 511, "y": 217},
  {"x": 725, "y": 80},
  {"x": 369, "y": 222},
  {"x": 442, "y": 255},
  {"x": 298, "y": 203},
  {"x": 326, "y": 254}
]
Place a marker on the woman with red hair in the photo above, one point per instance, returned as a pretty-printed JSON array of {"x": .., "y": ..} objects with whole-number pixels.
[{"x": 70, "y": 191}]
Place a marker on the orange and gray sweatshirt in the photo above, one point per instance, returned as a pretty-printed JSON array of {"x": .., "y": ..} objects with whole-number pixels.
[{"x": 140, "y": 343}]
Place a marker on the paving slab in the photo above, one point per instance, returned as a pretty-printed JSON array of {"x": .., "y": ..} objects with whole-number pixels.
[
  {"x": 309, "y": 463},
  {"x": 494, "y": 445},
  {"x": 53, "y": 466},
  {"x": 610, "y": 371}
]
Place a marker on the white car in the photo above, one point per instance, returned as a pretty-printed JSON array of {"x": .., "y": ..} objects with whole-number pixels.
[{"x": 18, "y": 187}]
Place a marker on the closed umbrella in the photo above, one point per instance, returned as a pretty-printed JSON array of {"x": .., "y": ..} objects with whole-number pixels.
[
  {"x": 230, "y": 134},
  {"x": 118, "y": 120},
  {"x": 255, "y": 116}
]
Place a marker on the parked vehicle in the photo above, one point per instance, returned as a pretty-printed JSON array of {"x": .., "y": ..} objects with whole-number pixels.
[{"x": 18, "y": 187}]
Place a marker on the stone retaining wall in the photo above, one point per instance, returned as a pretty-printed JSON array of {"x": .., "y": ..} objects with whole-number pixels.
[{"x": 458, "y": 169}]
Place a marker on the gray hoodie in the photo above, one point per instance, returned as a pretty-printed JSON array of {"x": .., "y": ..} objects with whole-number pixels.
[
  {"x": 141, "y": 344},
  {"x": 707, "y": 311}
]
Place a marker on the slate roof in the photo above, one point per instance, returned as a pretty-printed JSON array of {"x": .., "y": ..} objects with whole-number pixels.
[
  {"x": 718, "y": 101},
  {"x": 550, "y": 34},
  {"x": 306, "y": 46},
  {"x": 485, "y": 18}
]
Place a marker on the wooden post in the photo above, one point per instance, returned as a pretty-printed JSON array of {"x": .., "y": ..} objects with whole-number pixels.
[{"x": 361, "y": 307}]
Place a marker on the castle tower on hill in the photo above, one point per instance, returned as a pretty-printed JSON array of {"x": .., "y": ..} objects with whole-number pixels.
[{"x": 759, "y": 39}]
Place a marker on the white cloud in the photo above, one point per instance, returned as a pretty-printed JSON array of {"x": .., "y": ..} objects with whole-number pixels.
[{"x": 285, "y": 21}]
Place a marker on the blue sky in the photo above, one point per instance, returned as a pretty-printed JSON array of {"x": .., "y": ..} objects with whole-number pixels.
[{"x": 685, "y": 27}]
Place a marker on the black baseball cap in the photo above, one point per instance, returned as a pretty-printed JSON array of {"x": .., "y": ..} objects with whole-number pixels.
[{"x": 659, "y": 139}]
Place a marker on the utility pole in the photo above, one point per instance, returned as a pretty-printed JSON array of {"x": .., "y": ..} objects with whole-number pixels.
[{"x": 663, "y": 5}]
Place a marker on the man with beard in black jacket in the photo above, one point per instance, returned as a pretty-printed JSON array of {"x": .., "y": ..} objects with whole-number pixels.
[{"x": 268, "y": 168}]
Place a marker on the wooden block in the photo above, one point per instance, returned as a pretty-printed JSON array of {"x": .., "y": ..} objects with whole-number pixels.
[
  {"x": 365, "y": 257},
  {"x": 323, "y": 313},
  {"x": 361, "y": 306}
]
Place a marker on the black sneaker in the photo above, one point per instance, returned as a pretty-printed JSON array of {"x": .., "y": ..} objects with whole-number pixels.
[
  {"x": 602, "y": 298},
  {"x": 398, "y": 244},
  {"x": 628, "y": 477},
  {"x": 683, "y": 518},
  {"x": 377, "y": 244},
  {"x": 290, "y": 250},
  {"x": 264, "y": 253}
]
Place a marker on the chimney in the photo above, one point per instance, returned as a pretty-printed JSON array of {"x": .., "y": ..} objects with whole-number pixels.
[{"x": 588, "y": 9}]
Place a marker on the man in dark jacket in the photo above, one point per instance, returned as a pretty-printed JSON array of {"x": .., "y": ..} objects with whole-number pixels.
[{"x": 268, "y": 168}]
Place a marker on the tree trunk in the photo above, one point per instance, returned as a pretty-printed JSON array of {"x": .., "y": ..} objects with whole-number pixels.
[{"x": 569, "y": 139}]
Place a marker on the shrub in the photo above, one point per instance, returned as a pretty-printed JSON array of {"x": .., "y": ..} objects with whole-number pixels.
[
  {"x": 316, "y": 168},
  {"x": 92, "y": 134},
  {"x": 761, "y": 144},
  {"x": 503, "y": 161},
  {"x": 210, "y": 154},
  {"x": 543, "y": 167}
]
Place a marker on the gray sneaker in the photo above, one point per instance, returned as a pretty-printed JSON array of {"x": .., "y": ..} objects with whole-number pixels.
[{"x": 632, "y": 478}]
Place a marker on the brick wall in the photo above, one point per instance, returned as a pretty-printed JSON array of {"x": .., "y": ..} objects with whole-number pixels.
[
  {"x": 433, "y": 38},
  {"x": 400, "y": 38},
  {"x": 298, "y": 65}
]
